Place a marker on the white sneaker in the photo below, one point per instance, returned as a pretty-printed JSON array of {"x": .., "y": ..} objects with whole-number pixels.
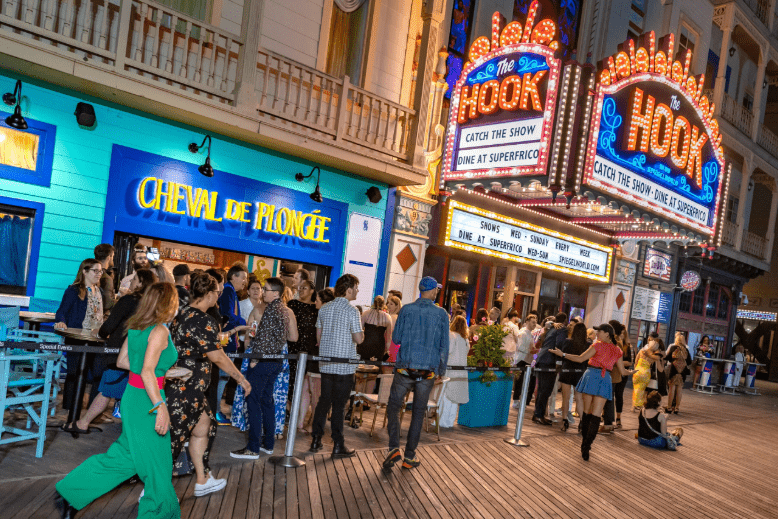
[
  {"x": 210, "y": 486},
  {"x": 141, "y": 495},
  {"x": 266, "y": 451}
]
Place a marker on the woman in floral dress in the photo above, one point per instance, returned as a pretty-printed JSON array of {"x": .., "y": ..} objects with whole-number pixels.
[{"x": 196, "y": 337}]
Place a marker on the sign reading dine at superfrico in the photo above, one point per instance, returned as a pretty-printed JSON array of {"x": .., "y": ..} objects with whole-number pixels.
[
  {"x": 503, "y": 103},
  {"x": 654, "y": 141},
  {"x": 477, "y": 230}
]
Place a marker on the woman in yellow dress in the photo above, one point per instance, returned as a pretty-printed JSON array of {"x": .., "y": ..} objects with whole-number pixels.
[{"x": 646, "y": 357}]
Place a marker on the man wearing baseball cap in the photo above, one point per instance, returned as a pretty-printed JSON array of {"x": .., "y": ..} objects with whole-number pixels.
[{"x": 421, "y": 331}]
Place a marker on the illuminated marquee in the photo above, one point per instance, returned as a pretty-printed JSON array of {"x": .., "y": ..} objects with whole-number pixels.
[
  {"x": 502, "y": 106},
  {"x": 175, "y": 198},
  {"x": 755, "y": 315},
  {"x": 473, "y": 229},
  {"x": 653, "y": 139}
]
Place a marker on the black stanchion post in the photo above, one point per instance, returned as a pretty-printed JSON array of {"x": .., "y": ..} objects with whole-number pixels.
[
  {"x": 288, "y": 460},
  {"x": 516, "y": 440}
]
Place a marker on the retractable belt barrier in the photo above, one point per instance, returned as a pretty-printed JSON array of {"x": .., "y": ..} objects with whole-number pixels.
[{"x": 68, "y": 348}]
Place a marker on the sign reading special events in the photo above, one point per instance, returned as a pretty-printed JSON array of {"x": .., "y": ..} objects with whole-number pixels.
[
  {"x": 502, "y": 106},
  {"x": 653, "y": 139},
  {"x": 170, "y": 200},
  {"x": 477, "y": 230}
]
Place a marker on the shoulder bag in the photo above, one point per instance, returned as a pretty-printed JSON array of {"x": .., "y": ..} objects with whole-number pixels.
[{"x": 672, "y": 441}]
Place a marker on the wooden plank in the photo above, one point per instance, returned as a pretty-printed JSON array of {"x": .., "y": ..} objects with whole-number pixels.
[
  {"x": 36, "y": 501},
  {"x": 12, "y": 507},
  {"x": 228, "y": 509},
  {"x": 380, "y": 508},
  {"x": 266, "y": 504},
  {"x": 390, "y": 482},
  {"x": 444, "y": 491},
  {"x": 279, "y": 492},
  {"x": 290, "y": 498},
  {"x": 468, "y": 499},
  {"x": 317, "y": 502},
  {"x": 217, "y": 499},
  {"x": 342, "y": 496},
  {"x": 383, "y": 489},
  {"x": 303, "y": 494},
  {"x": 255, "y": 490},
  {"x": 347, "y": 471}
]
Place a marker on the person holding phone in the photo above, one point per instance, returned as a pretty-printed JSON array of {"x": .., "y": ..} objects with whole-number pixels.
[
  {"x": 143, "y": 448},
  {"x": 139, "y": 260}
]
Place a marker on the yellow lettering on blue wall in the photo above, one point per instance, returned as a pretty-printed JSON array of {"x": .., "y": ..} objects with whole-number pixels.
[{"x": 142, "y": 193}]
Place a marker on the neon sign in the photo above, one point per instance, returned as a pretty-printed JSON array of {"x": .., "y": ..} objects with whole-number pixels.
[
  {"x": 653, "y": 139},
  {"x": 503, "y": 104},
  {"x": 181, "y": 199},
  {"x": 756, "y": 315}
]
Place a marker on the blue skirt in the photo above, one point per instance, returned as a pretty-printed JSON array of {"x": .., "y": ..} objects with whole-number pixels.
[{"x": 593, "y": 383}]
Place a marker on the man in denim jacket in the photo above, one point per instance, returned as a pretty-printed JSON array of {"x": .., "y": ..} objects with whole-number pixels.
[{"x": 421, "y": 331}]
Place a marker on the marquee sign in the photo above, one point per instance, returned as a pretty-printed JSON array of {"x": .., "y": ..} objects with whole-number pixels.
[
  {"x": 503, "y": 104},
  {"x": 653, "y": 140},
  {"x": 477, "y": 230},
  {"x": 756, "y": 315}
]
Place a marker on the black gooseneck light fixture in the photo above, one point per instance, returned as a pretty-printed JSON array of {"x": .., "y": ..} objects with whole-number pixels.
[
  {"x": 206, "y": 168},
  {"x": 316, "y": 195},
  {"x": 15, "y": 120}
]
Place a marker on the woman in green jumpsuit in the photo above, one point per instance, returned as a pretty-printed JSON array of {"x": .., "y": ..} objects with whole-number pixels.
[{"x": 144, "y": 445}]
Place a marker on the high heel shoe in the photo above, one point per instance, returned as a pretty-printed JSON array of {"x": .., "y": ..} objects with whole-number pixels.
[
  {"x": 66, "y": 510},
  {"x": 565, "y": 424}
]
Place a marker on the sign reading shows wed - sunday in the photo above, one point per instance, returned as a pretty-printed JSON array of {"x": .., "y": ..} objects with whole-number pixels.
[{"x": 474, "y": 229}]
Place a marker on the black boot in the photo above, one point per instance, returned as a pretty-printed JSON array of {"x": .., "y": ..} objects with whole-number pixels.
[
  {"x": 316, "y": 443},
  {"x": 589, "y": 435},
  {"x": 582, "y": 422},
  {"x": 341, "y": 451},
  {"x": 65, "y": 509}
]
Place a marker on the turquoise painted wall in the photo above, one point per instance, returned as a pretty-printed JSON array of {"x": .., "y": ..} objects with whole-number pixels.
[{"x": 76, "y": 201}]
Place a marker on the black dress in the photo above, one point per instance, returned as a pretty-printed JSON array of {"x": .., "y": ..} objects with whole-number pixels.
[
  {"x": 374, "y": 345},
  {"x": 306, "y": 315},
  {"x": 194, "y": 334},
  {"x": 572, "y": 371}
]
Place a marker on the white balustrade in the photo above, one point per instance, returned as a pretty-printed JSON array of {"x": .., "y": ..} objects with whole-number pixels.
[
  {"x": 737, "y": 114},
  {"x": 729, "y": 236},
  {"x": 754, "y": 245},
  {"x": 768, "y": 140}
]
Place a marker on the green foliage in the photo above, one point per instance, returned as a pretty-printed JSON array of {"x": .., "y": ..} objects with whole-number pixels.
[{"x": 487, "y": 350}]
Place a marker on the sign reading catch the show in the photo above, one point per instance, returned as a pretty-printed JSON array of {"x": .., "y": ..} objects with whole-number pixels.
[
  {"x": 503, "y": 103},
  {"x": 654, "y": 141},
  {"x": 474, "y": 229}
]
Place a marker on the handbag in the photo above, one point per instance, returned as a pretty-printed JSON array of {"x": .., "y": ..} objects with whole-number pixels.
[
  {"x": 671, "y": 439},
  {"x": 653, "y": 384}
]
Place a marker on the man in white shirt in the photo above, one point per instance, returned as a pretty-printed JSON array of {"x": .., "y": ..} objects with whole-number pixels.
[
  {"x": 339, "y": 330},
  {"x": 509, "y": 342},
  {"x": 525, "y": 349}
]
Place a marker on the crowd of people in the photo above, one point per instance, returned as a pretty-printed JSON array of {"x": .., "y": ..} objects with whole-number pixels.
[{"x": 176, "y": 384}]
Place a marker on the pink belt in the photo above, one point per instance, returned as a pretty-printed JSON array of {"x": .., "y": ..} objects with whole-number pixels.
[{"x": 137, "y": 381}]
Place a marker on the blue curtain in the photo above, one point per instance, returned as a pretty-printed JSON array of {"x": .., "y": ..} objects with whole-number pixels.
[{"x": 14, "y": 238}]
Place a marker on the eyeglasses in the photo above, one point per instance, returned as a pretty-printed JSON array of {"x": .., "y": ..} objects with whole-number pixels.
[
  {"x": 96, "y": 271},
  {"x": 266, "y": 289}
]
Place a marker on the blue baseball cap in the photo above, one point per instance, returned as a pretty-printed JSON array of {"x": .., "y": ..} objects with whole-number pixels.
[{"x": 428, "y": 283}]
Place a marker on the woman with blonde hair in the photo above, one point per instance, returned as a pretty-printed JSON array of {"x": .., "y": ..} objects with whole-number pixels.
[
  {"x": 647, "y": 356},
  {"x": 143, "y": 448},
  {"x": 378, "y": 332},
  {"x": 457, "y": 388},
  {"x": 679, "y": 360}
]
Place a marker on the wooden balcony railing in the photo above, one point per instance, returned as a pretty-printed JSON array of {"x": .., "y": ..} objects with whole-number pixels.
[
  {"x": 139, "y": 37},
  {"x": 303, "y": 95},
  {"x": 760, "y": 8},
  {"x": 740, "y": 116},
  {"x": 754, "y": 245},
  {"x": 729, "y": 237},
  {"x": 768, "y": 140}
]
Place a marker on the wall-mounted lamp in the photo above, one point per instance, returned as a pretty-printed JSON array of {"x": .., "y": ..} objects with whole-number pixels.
[
  {"x": 731, "y": 51},
  {"x": 751, "y": 184},
  {"x": 764, "y": 84},
  {"x": 85, "y": 115},
  {"x": 15, "y": 120},
  {"x": 206, "y": 168},
  {"x": 316, "y": 195}
]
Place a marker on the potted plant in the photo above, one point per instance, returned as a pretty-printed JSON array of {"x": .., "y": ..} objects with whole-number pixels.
[{"x": 489, "y": 390}]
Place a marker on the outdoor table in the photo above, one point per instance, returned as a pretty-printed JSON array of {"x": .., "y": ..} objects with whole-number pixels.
[
  {"x": 78, "y": 336},
  {"x": 705, "y": 384},
  {"x": 35, "y": 319},
  {"x": 750, "y": 388}
]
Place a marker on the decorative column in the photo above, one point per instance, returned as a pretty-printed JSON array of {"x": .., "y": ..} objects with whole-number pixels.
[
  {"x": 721, "y": 74},
  {"x": 771, "y": 222},
  {"x": 408, "y": 245},
  {"x": 744, "y": 202},
  {"x": 758, "y": 93},
  {"x": 246, "y": 100}
]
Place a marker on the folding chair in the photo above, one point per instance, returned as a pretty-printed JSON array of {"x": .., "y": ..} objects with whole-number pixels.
[
  {"x": 380, "y": 399},
  {"x": 438, "y": 390}
]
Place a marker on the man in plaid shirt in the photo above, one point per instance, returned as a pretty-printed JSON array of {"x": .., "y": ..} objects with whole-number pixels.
[{"x": 339, "y": 330}]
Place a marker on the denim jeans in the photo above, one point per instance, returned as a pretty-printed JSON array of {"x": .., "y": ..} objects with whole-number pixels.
[
  {"x": 260, "y": 404},
  {"x": 335, "y": 392},
  {"x": 519, "y": 381},
  {"x": 401, "y": 385},
  {"x": 545, "y": 387}
]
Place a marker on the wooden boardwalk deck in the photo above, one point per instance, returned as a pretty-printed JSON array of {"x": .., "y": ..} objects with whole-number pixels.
[{"x": 725, "y": 468}]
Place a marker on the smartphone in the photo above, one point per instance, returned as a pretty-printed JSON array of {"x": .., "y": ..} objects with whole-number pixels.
[{"x": 152, "y": 254}]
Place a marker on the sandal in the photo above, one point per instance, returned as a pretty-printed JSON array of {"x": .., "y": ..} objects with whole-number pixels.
[
  {"x": 73, "y": 429},
  {"x": 618, "y": 424},
  {"x": 565, "y": 424}
]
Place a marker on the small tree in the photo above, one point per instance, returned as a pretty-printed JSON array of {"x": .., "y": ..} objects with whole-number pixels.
[{"x": 487, "y": 350}]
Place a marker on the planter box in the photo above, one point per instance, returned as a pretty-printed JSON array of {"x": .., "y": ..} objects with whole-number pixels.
[{"x": 489, "y": 405}]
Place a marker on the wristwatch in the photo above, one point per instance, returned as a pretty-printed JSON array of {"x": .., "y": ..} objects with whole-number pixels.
[{"x": 564, "y": 355}]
